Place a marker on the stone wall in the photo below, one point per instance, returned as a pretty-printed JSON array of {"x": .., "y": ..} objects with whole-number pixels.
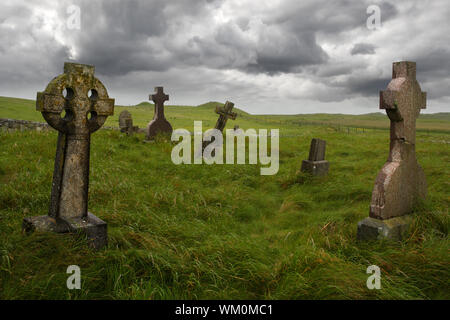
[
  {"x": 13, "y": 125},
  {"x": 9, "y": 125}
]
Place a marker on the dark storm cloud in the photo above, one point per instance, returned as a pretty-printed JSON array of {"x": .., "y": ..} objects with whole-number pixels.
[
  {"x": 362, "y": 48},
  {"x": 116, "y": 36},
  {"x": 366, "y": 86},
  {"x": 288, "y": 55},
  {"x": 125, "y": 36},
  {"x": 317, "y": 50}
]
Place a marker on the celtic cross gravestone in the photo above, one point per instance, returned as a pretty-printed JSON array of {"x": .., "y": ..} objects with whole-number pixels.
[{"x": 76, "y": 104}]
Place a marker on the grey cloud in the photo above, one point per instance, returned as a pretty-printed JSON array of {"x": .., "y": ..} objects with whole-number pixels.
[
  {"x": 363, "y": 48},
  {"x": 319, "y": 50},
  {"x": 331, "y": 17},
  {"x": 128, "y": 36},
  {"x": 288, "y": 54},
  {"x": 365, "y": 86}
]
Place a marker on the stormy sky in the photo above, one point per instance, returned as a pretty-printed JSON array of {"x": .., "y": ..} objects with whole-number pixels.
[{"x": 266, "y": 56}]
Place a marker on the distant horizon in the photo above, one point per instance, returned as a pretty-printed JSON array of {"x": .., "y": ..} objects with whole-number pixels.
[{"x": 423, "y": 111}]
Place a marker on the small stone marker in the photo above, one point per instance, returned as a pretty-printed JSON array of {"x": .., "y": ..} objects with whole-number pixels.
[
  {"x": 86, "y": 105},
  {"x": 316, "y": 163},
  {"x": 401, "y": 181},
  {"x": 126, "y": 123},
  {"x": 159, "y": 124}
]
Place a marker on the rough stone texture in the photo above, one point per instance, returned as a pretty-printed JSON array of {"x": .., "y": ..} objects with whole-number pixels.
[
  {"x": 83, "y": 115},
  {"x": 401, "y": 181},
  {"x": 10, "y": 125},
  {"x": 375, "y": 229},
  {"x": 224, "y": 113},
  {"x": 123, "y": 117},
  {"x": 316, "y": 163},
  {"x": 159, "y": 124},
  {"x": 126, "y": 123}
]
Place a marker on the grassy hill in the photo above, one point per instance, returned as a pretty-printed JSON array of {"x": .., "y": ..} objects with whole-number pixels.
[
  {"x": 222, "y": 231},
  {"x": 183, "y": 117}
]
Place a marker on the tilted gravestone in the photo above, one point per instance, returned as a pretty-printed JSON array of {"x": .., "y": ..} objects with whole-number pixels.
[
  {"x": 86, "y": 105},
  {"x": 401, "y": 181},
  {"x": 224, "y": 113},
  {"x": 316, "y": 163},
  {"x": 126, "y": 123},
  {"x": 159, "y": 124}
]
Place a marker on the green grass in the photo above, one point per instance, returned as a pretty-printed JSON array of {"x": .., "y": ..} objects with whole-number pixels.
[
  {"x": 221, "y": 231},
  {"x": 183, "y": 116}
]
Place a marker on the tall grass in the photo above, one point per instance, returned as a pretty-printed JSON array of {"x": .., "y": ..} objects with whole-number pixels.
[{"x": 222, "y": 231}]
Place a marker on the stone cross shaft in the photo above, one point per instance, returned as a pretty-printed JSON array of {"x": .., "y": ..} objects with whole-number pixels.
[
  {"x": 82, "y": 110},
  {"x": 316, "y": 164},
  {"x": 317, "y": 150},
  {"x": 159, "y": 124},
  {"x": 401, "y": 182},
  {"x": 224, "y": 113}
]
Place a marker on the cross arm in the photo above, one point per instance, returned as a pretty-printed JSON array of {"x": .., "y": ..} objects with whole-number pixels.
[
  {"x": 104, "y": 107},
  {"x": 223, "y": 112},
  {"x": 51, "y": 106}
]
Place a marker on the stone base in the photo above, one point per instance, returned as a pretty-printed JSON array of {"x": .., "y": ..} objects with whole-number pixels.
[
  {"x": 94, "y": 228},
  {"x": 375, "y": 229},
  {"x": 129, "y": 131},
  {"x": 316, "y": 168}
]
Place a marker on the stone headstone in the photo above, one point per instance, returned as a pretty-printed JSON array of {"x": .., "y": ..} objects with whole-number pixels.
[
  {"x": 86, "y": 105},
  {"x": 123, "y": 117},
  {"x": 159, "y": 124},
  {"x": 401, "y": 182},
  {"x": 316, "y": 163},
  {"x": 126, "y": 123},
  {"x": 224, "y": 114}
]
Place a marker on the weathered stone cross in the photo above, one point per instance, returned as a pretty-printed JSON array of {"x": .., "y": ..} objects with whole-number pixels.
[
  {"x": 224, "y": 113},
  {"x": 86, "y": 105},
  {"x": 401, "y": 181},
  {"x": 159, "y": 124}
]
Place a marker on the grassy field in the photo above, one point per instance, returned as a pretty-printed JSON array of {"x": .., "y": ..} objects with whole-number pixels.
[
  {"x": 222, "y": 231},
  {"x": 183, "y": 117}
]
